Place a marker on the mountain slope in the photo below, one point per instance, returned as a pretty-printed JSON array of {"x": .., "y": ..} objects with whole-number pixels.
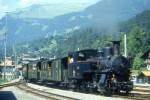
[
  {"x": 48, "y": 10},
  {"x": 138, "y": 34},
  {"x": 138, "y": 39},
  {"x": 103, "y": 16},
  {"x": 141, "y": 20}
]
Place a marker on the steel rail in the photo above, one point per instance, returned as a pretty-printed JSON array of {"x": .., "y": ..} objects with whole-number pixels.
[
  {"x": 9, "y": 84},
  {"x": 44, "y": 94}
]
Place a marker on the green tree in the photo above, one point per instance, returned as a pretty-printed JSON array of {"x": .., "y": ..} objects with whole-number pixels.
[
  {"x": 135, "y": 40},
  {"x": 138, "y": 63}
]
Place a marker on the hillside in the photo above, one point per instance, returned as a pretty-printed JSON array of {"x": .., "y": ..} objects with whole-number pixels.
[
  {"x": 138, "y": 39},
  {"x": 103, "y": 16},
  {"x": 138, "y": 32},
  {"x": 59, "y": 46},
  {"x": 48, "y": 10},
  {"x": 141, "y": 20}
]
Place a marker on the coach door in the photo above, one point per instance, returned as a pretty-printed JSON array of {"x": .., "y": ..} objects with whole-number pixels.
[
  {"x": 38, "y": 70},
  {"x": 49, "y": 64}
]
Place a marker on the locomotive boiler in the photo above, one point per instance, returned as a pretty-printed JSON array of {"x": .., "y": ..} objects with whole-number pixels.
[{"x": 115, "y": 71}]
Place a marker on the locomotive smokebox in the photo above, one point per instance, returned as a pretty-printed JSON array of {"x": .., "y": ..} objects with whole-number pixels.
[{"x": 116, "y": 47}]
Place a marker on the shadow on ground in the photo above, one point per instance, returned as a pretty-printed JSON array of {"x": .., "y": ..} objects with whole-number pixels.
[{"x": 7, "y": 95}]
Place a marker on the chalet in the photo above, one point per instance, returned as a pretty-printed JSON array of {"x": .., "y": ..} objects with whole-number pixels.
[
  {"x": 145, "y": 74},
  {"x": 9, "y": 71}
]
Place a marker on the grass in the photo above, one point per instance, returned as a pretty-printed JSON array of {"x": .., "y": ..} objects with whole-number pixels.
[{"x": 2, "y": 81}]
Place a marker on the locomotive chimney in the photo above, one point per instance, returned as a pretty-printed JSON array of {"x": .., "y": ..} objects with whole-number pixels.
[{"x": 116, "y": 47}]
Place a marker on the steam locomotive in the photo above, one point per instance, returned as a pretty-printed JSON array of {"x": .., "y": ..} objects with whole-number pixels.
[{"x": 106, "y": 71}]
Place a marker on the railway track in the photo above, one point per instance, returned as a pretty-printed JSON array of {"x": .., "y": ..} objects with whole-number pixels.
[
  {"x": 136, "y": 94},
  {"x": 47, "y": 95},
  {"x": 142, "y": 89},
  {"x": 9, "y": 84},
  {"x": 52, "y": 96},
  {"x": 139, "y": 93}
]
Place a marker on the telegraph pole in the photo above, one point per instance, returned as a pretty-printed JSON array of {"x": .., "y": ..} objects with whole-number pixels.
[
  {"x": 5, "y": 46},
  {"x": 15, "y": 58},
  {"x": 14, "y": 54},
  {"x": 5, "y": 57}
]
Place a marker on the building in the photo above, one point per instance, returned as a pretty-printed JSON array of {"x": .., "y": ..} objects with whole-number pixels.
[
  {"x": 7, "y": 72},
  {"x": 144, "y": 76}
]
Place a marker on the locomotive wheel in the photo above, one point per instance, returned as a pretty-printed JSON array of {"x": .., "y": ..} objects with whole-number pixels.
[
  {"x": 127, "y": 93},
  {"x": 107, "y": 92},
  {"x": 83, "y": 89},
  {"x": 91, "y": 90}
]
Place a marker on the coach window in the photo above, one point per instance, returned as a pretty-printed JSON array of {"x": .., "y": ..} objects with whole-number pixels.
[
  {"x": 42, "y": 65},
  {"x": 81, "y": 57},
  {"x": 45, "y": 65},
  {"x": 39, "y": 65},
  {"x": 49, "y": 65},
  {"x": 70, "y": 59}
]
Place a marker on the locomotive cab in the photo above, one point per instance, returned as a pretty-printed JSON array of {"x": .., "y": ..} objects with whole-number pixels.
[
  {"x": 82, "y": 55},
  {"x": 83, "y": 67}
]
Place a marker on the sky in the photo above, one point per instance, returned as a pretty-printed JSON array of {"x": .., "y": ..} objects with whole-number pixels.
[{"x": 12, "y": 5}]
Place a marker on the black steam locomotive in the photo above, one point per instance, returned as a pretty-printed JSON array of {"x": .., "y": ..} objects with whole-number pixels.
[{"x": 106, "y": 71}]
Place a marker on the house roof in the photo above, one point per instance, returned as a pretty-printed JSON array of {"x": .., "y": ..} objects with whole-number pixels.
[
  {"x": 146, "y": 73},
  {"x": 8, "y": 62}
]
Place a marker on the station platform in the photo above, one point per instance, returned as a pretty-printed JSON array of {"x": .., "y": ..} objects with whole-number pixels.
[
  {"x": 80, "y": 96},
  {"x": 13, "y": 81},
  {"x": 142, "y": 85}
]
